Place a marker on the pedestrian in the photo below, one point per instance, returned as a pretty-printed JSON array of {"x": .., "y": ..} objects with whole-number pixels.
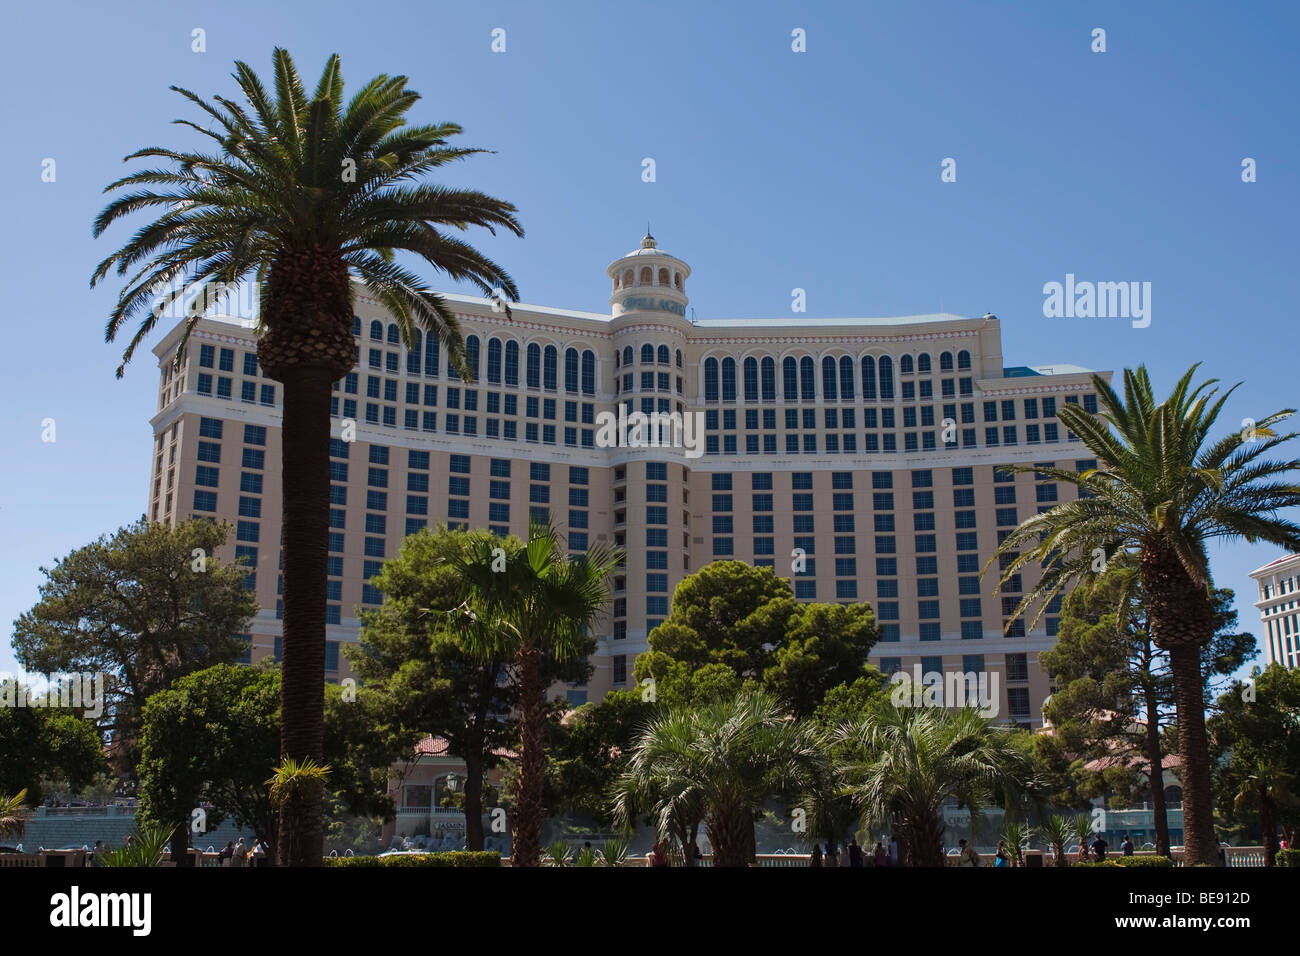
[
  {"x": 967, "y": 856},
  {"x": 227, "y": 851},
  {"x": 259, "y": 853},
  {"x": 832, "y": 854},
  {"x": 882, "y": 858},
  {"x": 855, "y": 853},
  {"x": 815, "y": 858},
  {"x": 1099, "y": 847},
  {"x": 893, "y": 850},
  {"x": 695, "y": 851},
  {"x": 240, "y": 855},
  {"x": 1001, "y": 858},
  {"x": 1127, "y": 846},
  {"x": 657, "y": 855}
]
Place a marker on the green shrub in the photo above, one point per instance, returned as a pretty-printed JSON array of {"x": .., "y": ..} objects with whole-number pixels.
[
  {"x": 460, "y": 858},
  {"x": 1287, "y": 858},
  {"x": 1133, "y": 861}
]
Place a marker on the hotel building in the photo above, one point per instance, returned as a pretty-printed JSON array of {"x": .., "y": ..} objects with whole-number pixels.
[
  {"x": 870, "y": 447},
  {"x": 1279, "y": 608}
]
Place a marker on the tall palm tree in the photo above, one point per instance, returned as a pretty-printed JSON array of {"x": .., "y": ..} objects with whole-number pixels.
[
  {"x": 527, "y": 600},
  {"x": 901, "y": 764},
  {"x": 303, "y": 195},
  {"x": 1159, "y": 494},
  {"x": 724, "y": 758}
]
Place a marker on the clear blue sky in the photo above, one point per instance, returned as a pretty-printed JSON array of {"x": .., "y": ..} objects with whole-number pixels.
[{"x": 775, "y": 170}]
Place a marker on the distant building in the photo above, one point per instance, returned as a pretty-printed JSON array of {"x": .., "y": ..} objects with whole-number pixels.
[
  {"x": 1279, "y": 608},
  {"x": 863, "y": 458}
]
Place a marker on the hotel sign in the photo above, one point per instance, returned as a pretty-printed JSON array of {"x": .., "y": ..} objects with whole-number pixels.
[{"x": 647, "y": 304}]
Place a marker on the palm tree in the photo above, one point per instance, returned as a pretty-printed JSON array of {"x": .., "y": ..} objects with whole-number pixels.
[
  {"x": 1017, "y": 835},
  {"x": 724, "y": 758},
  {"x": 1057, "y": 830},
  {"x": 902, "y": 764},
  {"x": 304, "y": 196},
  {"x": 12, "y": 820},
  {"x": 1160, "y": 493},
  {"x": 1267, "y": 791},
  {"x": 526, "y": 601},
  {"x": 1083, "y": 830}
]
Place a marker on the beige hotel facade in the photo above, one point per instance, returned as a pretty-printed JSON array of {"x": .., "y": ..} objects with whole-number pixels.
[{"x": 870, "y": 447}]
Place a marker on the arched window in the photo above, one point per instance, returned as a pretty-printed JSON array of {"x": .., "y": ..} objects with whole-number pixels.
[
  {"x": 886, "y": 377},
  {"x": 710, "y": 380},
  {"x": 728, "y": 379},
  {"x": 627, "y": 278},
  {"x": 588, "y": 372},
  {"x": 807, "y": 379},
  {"x": 751, "y": 379},
  {"x": 769, "y": 379},
  {"x": 356, "y": 325},
  {"x": 494, "y": 362},
  {"x": 550, "y": 358},
  {"x": 679, "y": 358},
  {"x": 868, "y": 378},
  {"x": 647, "y": 275},
  {"x": 829, "y": 390},
  {"x": 963, "y": 360},
  {"x": 905, "y": 365},
  {"x": 923, "y": 362},
  {"x": 471, "y": 357},
  {"x": 431, "y": 355},
  {"x": 945, "y": 361},
  {"x": 846, "y": 378},
  {"x": 394, "y": 336},
  {"x": 413, "y": 356},
  {"x": 512, "y": 362},
  {"x": 377, "y": 331},
  {"x": 663, "y": 356},
  {"x": 571, "y": 371},
  {"x": 647, "y": 354},
  {"x": 534, "y": 368},
  {"x": 790, "y": 379},
  {"x": 663, "y": 276},
  {"x": 627, "y": 355},
  {"x": 677, "y": 279}
]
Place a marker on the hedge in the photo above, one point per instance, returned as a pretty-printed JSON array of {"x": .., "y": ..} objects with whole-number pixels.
[
  {"x": 1287, "y": 858},
  {"x": 461, "y": 858},
  {"x": 1132, "y": 861}
]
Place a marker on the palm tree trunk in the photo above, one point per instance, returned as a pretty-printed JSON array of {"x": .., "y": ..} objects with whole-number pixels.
[
  {"x": 727, "y": 832},
  {"x": 526, "y": 848},
  {"x": 474, "y": 803},
  {"x": 181, "y": 844},
  {"x": 1270, "y": 831},
  {"x": 306, "y": 480},
  {"x": 1189, "y": 697},
  {"x": 1156, "y": 774}
]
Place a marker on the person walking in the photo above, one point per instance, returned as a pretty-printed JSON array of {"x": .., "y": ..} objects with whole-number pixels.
[
  {"x": 855, "y": 853},
  {"x": 881, "y": 856},
  {"x": 240, "y": 855},
  {"x": 1099, "y": 847},
  {"x": 1126, "y": 847},
  {"x": 227, "y": 852},
  {"x": 1001, "y": 858},
  {"x": 832, "y": 854},
  {"x": 967, "y": 857},
  {"x": 815, "y": 858}
]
